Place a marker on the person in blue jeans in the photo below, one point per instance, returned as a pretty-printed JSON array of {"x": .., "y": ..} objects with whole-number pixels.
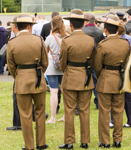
[
  {"x": 54, "y": 75},
  {"x": 3, "y": 36}
]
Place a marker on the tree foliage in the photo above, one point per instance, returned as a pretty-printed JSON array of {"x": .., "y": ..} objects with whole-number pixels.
[{"x": 11, "y": 5}]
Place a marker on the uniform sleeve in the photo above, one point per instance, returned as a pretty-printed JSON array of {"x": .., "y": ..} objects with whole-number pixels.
[
  {"x": 98, "y": 62},
  {"x": 10, "y": 60},
  {"x": 44, "y": 62},
  {"x": 63, "y": 55}
]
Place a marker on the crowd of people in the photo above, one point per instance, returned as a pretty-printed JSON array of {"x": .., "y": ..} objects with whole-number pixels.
[{"x": 74, "y": 58}]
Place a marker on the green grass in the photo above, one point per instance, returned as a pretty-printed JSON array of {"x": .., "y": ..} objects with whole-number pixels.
[
  {"x": 13, "y": 140},
  {"x": 49, "y": 13}
]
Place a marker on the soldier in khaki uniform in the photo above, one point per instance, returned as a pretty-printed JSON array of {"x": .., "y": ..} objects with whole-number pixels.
[
  {"x": 27, "y": 60},
  {"x": 109, "y": 67},
  {"x": 75, "y": 49}
]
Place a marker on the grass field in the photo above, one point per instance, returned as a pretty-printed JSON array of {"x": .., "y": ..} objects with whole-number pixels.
[
  {"x": 13, "y": 140},
  {"x": 49, "y": 13}
]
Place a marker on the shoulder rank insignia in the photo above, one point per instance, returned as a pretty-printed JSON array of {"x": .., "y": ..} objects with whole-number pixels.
[
  {"x": 103, "y": 41},
  {"x": 67, "y": 36},
  {"x": 12, "y": 38}
]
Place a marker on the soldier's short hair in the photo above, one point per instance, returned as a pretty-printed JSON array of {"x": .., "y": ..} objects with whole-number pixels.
[
  {"x": 77, "y": 23},
  {"x": 112, "y": 29},
  {"x": 22, "y": 26}
]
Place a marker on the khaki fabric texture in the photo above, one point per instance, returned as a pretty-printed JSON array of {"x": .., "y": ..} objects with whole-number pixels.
[
  {"x": 76, "y": 48},
  {"x": 25, "y": 108},
  {"x": 110, "y": 52},
  {"x": 71, "y": 98},
  {"x": 24, "y": 49},
  {"x": 106, "y": 103}
]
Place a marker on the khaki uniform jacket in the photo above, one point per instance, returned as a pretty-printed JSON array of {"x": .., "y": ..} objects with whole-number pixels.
[
  {"x": 24, "y": 49},
  {"x": 111, "y": 51},
  {"x": 76, "y": 48}
]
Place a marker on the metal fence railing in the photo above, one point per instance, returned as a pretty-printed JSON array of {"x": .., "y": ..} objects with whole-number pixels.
[
  {"x": 68, "y": 5},
  {"x": 41, "y": 5},
  {"x": 107, "y": 3},
  {"x": 85, "y": 5}
]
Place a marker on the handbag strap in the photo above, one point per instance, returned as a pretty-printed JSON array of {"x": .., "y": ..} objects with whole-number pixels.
[
  {"x": 56, "y": 39},
  {"x": 51, "y": 53},
  {"x": 57, "y": 42}
]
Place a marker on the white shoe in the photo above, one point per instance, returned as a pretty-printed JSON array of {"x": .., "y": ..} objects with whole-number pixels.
[
  {"x": 111, "y": 125},
  {"x": 126, "y": 125}
]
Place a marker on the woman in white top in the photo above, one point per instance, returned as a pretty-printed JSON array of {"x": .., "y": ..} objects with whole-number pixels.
[{"x": 54, "y": 75}]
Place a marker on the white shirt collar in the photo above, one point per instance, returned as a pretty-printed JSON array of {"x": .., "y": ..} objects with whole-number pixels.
[
  {"x": 77, "y": 30},
  {"x": 111, "y": 35},
  {"x": 22, "y": 32}
]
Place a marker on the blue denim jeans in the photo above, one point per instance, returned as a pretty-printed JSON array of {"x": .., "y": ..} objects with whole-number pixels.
[
  {"x": 1, "y": 65},
  {"x": 94, "y": 90},
  {"x": 54, "y": 80}
]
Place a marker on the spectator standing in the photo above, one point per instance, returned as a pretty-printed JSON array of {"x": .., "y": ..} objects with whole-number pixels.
[
  {"x": 16, "y": 116},
  {"x": 54, "y": 75},
  {"x": 120, "y": 15},
  {"x": 128, "y": 24},
  {"x": 122, "y": 33},
  {"x": 3, "y": 37},
  {"x": 38, "y": 27},
  {"x": 91, "y": 29},
  {"x": 47, "y": 27}
]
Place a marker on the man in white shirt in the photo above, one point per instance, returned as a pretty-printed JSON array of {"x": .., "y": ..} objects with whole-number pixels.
[{"x": 38, "y": 27}]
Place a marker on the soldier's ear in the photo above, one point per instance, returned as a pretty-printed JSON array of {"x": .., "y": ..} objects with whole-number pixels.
[{"x": 71, "y": 25}]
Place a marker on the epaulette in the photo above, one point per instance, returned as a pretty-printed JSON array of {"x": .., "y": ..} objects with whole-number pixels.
[
  {"x": 12, "y": 38},
  {"x": 103, "y": 41},
  {"x": 67, "y": 36}
]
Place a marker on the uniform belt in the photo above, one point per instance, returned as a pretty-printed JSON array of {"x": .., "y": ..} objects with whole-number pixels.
[
  {"x": 26, "y": 66},
  {"x": 76, "y": 64},
  {"x": 108, "y": 67}
]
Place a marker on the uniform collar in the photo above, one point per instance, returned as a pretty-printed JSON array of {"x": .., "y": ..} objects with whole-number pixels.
[
  {"x": 77, "y": 30},
  {"x": 22, "y": 31},
  {"x": 111, "y": 35}
]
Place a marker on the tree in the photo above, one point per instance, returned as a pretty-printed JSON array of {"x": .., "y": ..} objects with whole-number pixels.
[{"x": 11, "y": 5}]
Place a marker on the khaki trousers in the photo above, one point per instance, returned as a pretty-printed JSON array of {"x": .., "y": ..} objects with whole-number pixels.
[
  {"x": 70, "y": 101},
  {"x": 25, "y": 109},
  {"x": 106, "y": 103}
]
